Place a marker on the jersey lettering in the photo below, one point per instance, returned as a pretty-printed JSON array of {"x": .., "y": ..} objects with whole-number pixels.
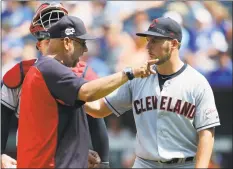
[
  {"x": 179, "y": 107},
  {"x": 163, "y": 101},
  {"x": 148, "y": 103}
]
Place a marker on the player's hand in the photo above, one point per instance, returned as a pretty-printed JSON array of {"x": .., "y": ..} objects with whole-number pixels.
[
  {"x": 146, "y": 69},
  {"x": 93, "y": 159},
  {"x": 8, "y": 162}
]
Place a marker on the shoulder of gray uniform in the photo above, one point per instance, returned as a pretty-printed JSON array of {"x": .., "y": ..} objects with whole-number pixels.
[{"x": 196, "y": 77}]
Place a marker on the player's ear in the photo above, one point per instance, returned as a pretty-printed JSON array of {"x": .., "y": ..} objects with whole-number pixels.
[
  {"x": 175, "y": 43},
  {"x": 38, "y": 45},
  {"x": 66, "y": 43}
]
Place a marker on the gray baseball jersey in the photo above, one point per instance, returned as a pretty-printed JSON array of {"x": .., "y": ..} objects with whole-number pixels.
[
  {"x": 167, "y": 121},
  {"x": 10, "y": 98}
]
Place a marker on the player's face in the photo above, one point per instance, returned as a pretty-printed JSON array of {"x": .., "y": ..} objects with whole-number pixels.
[
  {"x": 42, "y": 46},
  {"x": 69, "y": 50},
  {"x": 159, "y": 48},
  {"x": 79, "y": 47}
]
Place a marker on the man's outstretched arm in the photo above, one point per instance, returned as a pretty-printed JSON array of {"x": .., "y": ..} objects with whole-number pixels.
[
  {"x": 101, "y": 87},
  {"x": 97, "y": 109}
]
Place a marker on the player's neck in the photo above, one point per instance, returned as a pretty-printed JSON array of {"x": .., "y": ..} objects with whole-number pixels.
[
  {"x": 56, "y": 57},
  {"x": 171, "y": 66}
]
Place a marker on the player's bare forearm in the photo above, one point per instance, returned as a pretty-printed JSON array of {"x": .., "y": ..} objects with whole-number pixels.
[
  {"x": 101, "y": 87},
  {"x": 205, "y": 147},
  {"x": 97, "y": 109}
]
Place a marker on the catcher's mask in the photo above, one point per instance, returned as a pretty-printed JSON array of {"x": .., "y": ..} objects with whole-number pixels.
[{"x": 46, "y": 15}]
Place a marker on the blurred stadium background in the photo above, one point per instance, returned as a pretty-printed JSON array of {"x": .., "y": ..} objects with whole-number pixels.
[{"x": 206, "y": 46}]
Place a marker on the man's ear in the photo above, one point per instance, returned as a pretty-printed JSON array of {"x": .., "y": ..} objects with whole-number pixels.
[
  {"x": 67, "y": 43},
  {"x": 38, "y": 45},
  {"x": 175, "y": 43}
]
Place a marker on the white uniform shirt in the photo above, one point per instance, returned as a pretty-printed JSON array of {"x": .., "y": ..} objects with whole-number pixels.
[
  {"x": 10, "y": 98},
  {"x": 167, "y": 121}
]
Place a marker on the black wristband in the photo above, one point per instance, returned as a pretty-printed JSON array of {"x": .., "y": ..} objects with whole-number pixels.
[{"x": 129, "y": 73}]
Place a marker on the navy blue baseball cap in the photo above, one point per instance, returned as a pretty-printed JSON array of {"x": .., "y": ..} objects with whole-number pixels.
[
  {"x": 164, "y": 27},
  {"x": 69, "y": 26}
]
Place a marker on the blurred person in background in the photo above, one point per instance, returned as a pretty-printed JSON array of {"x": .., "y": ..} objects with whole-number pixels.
[
  {"x": 8, "y": 58},
  {"x": 12, "y": 48},
  {"x": 18, "y": 15},
  {"x": 220, "y": 14},
  {"x": 112, "y": 50},
  {"x": 138, "y": 50},
  {"x": 29, "y": 51},
  {"x": 185, "y": 35},
  {"x": 11, "y": 94},
  {"x": 82, "y": 9},
  {"x": 222, "y": 76},
  {"x": 123, "y": 10},
  {"x": 98, "y": 15},
  {"x": 209, "y": 40},
  {"x": 112, "y": 44},
  {"x": 94, "y": 61},
  {"x": 121, "y": 142}
]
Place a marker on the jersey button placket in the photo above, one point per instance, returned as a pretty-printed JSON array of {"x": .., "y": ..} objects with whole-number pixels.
[{"x": 166, "y": 84}]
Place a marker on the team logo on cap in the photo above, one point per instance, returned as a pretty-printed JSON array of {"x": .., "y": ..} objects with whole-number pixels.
[
  {"x": 69, "y": 31},
  {"x": 160, "y": 30},
  {"x": 154, "y": 23}
]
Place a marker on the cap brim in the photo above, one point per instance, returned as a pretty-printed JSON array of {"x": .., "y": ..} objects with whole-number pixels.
[
  {"x": 87, "y": 37},
  {"x": 150, "y": 33}
]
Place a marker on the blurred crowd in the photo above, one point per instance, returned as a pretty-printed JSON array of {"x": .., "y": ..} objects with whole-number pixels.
[{"x": 206, "y": 43}]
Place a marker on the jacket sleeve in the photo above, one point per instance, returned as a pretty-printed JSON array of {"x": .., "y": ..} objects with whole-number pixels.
[
  {"x": 6, "y": 116},
  {"x": 99, "y": 137}
]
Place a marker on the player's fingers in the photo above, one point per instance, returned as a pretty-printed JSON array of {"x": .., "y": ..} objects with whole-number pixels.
[
  {"x": 143, "y": 72},
  {"x": 96, "y": 166},
  {"x": 97, "y": 158},
  {"x": 152, "y": 69},
  {"x": 13, "y": 162},
  {"x": 152, "y": 62},
  {"x": 149, "y": 67},
  {"x": 94, "y": 157},
  {"x": 91, "y": 161},
  {"x": 90, "y": 165}
]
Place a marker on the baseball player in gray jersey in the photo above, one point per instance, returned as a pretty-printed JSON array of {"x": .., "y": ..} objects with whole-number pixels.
[{"x": 174, "y": 109}]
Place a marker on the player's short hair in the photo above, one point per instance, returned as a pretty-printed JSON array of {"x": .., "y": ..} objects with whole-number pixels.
[{"x": 46, "y": 15}]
